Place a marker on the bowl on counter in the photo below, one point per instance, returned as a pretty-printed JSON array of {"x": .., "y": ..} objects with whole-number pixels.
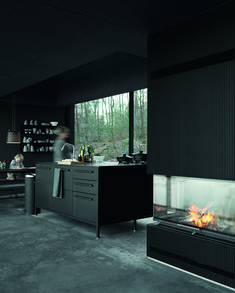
[{"x": 54, "y": 123}]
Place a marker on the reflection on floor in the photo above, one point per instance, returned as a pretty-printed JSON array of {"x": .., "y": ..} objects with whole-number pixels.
[{"x": 51, "y": 253}]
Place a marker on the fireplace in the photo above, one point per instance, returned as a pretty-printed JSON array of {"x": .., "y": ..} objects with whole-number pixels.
[
  {"x": 203, "y": 205},
  {"x": 194, "y": 226}
]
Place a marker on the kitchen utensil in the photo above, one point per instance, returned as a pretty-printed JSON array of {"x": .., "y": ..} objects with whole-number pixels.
[
  {"x": 140, "y": 157},
  {"x": 125, "y": 159}
]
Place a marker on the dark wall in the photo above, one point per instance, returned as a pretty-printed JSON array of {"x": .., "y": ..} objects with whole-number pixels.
[
  {"x": 42, "y": 93},
  {"x": 26, "y": 112},
  {"x": 191, "y": 118},
  {"x": 111, "y": 75}
]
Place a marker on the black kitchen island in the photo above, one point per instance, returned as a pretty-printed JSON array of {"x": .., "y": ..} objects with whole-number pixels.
[{"x": 96, "y": 193}]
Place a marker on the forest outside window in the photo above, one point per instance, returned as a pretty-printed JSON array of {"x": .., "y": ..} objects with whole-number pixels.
[
  {"x": 140, "y": 120},
  {"x": 104, "y": 124}
]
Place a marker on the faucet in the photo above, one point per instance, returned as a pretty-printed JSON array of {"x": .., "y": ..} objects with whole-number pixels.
[{"x": 72, "y": 146}]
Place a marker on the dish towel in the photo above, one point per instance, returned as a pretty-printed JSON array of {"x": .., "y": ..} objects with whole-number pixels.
[{"x": 58, "y": 183}]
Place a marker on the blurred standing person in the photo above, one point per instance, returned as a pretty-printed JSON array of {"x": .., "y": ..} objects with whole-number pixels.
[{"x": 62, "y": 133}]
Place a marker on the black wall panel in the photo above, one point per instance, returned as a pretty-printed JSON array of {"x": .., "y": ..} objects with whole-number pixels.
[
  {"x": 191, "y": 100},
  {"x": 209, "y": 33}
]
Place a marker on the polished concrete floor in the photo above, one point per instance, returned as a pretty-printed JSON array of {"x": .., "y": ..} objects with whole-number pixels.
[{"x": 50, "y": 253}]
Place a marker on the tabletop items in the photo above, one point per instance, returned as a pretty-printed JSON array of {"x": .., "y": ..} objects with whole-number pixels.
[{"x": 3, "y": 165}]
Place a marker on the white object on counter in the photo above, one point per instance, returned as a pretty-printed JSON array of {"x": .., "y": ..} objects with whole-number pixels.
[{"x": 98, "y": 159}]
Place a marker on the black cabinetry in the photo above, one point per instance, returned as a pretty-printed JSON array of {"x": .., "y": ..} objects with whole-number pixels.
[
  {"x": 191, "y": 97},
  {"x": 44, "y": 176},
  {"x": 97, "y": 194},
  {"x": 85, "y": 194},
  {"x": 198, "y": 253},
  {"x": 44, "y": 188},
  {"x": 64, "y": 206}
]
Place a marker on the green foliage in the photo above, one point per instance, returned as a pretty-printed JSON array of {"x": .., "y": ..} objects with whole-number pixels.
[
  {"x": 104, "y": 124},
  {"x": 91, "y": 148},
  {"x": 86, "y": 147}
]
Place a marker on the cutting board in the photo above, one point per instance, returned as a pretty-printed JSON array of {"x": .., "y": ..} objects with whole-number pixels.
[{"x": 69, "y": 163}]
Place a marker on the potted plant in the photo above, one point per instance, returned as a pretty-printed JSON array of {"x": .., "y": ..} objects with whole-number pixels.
[
  {"x": 88, "y": 151},
  {"x": 98, "y": 158}
]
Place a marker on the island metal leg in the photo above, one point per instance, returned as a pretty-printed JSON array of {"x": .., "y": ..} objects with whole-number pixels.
[
  {"x": 97, "y": 231},
  {"x": 135, "y": 224}
]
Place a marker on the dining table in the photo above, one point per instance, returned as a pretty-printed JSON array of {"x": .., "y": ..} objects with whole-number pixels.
[
  {"x": 19, "y": 170},
  {"x": 13, "y": 184}
]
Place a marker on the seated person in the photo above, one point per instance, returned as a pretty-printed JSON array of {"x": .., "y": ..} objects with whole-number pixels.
[{"x": 16, "y": 163}]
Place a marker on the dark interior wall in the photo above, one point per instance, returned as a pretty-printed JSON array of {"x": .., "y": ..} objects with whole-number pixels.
[
  {"x": 191, "y": 97},
  {"x": 111, "y": 75},
  {"x": 42, "y": 93},
  {"x": 26, "y": 112}
]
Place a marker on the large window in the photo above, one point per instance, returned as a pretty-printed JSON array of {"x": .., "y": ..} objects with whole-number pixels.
[{"x": 104, "y": 124}]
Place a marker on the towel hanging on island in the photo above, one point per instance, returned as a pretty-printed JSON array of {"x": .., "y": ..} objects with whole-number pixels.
[{"x": 58, "y": 183}]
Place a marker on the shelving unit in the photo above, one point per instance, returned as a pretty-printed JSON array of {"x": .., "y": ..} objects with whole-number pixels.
[{"x": 37, "y": 137}]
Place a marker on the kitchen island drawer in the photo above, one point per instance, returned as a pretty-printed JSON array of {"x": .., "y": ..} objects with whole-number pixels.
[
  {"x": 85, "y": 186},
  {"x": 85, "y": 207},
  {"x": 86, "y": 173}
]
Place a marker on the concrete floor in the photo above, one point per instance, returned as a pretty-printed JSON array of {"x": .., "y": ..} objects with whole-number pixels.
[{"x": 51, "y": 253}]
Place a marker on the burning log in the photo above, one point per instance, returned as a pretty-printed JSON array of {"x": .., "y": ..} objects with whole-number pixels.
[
  {"x": 199, "y": 217},
  {"x": 204, "y": 218}
]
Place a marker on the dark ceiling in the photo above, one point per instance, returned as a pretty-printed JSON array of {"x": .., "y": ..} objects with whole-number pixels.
[{"x": 44, "y": 38}]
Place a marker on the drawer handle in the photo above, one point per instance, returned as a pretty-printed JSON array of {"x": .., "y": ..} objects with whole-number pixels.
[
  {"x": 84, "y": 184},
  {"x": 84, "y": 197},
  {"x": 85, "y": 171}
]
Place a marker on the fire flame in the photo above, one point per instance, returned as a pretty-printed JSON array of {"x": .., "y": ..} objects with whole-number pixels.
[
  {"x": 159, "y": 208},
  {"x": 200, "y": 217}
]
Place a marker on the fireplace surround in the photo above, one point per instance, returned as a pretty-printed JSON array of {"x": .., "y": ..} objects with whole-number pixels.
[{"x": 194, "y": 226}]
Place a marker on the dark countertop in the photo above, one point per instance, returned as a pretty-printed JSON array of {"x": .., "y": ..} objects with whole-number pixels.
[{"x": 103, "y": 164}]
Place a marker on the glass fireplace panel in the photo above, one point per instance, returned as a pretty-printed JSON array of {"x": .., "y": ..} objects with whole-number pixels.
[{"x": 202, "y": 203}]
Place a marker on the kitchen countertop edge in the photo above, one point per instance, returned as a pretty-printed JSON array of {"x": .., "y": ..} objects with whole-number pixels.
[{"x": 103, "y": 164}]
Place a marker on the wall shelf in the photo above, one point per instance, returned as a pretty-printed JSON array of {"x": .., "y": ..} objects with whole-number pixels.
[{"x": 37, "y": 137}]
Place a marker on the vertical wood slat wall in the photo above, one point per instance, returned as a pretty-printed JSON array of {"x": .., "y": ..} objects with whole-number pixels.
[{"x": 191, "y": 116}]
